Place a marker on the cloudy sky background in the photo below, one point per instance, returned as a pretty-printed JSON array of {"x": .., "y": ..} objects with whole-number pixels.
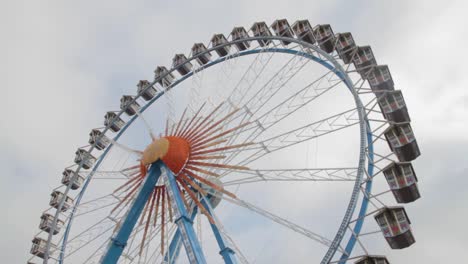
[{"x": 63, "y": 65}]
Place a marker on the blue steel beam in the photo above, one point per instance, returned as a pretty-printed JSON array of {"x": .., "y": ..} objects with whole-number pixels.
[
  {"x": 183, "y": 221},
  {"x": 226, "y": 252},
  {"x": 119, "y": 241},
  {"x": 174, "y": 247}
]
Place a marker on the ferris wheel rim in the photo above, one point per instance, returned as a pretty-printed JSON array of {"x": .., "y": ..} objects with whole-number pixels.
[{"x": 201, "y": 68}]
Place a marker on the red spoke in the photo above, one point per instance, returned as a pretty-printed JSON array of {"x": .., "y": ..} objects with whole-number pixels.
[
  {"x": 148, "y": 221},
  {"x": 216, "y": 165},
  {"x": 126, "y": 196},
  {"x": 197, "y": 202},
  {"x": 180, "y": 122},
  {"x": 199, "y": 143},
  {"x": 183, "y": 196},
  {"x": 196, "y": 137},
  {"x": 207, "y": 157},
  {"x": 202, "y": 171},
  {"x": 127, "y": 183},
  {"x": 169, "y": 205},
  {"x": 142, "y": 217},
  {"x": 209, "y": 183},
  {"x": 158, "y": 192},
  {"x": 188, "y": 128},
  {"x": 131, "y": 168},
  {"x": 222, "y": 149},
  {"x": 195, "y": 131},
  {"x": 194, "y": 149},
  {"x": 163, "y": 212},
  {"x": 193, "y": 184}
]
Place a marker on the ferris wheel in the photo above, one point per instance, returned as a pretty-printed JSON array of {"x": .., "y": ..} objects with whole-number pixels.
[{"x": 278, "y": 139}]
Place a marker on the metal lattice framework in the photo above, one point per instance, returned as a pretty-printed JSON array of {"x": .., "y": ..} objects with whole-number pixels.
[{"x": 239, "y": 131}]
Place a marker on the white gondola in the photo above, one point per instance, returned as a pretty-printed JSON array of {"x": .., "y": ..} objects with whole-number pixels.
[
  {"x": 163, "y": 76},
  {"x": 239, "y": 33},
  {"x": 84, "y": 158},
  {"x": 372, "y": 260},
  {"x": 114, "y": 122},
  {"x": 393, "y": 107},
  {"x": 218, "y": 40},
  {"x": 395, "y": 226},
  {"x": 204, "y": 57},
  {"x": 260, "y": 29},
  {"x": 325, "y": 38},
  {"x": 55, "y": 199},
  {"x": 402, "y": 181},
  {"x": 345, "y": 46},
  {"x": 364, "y": 60},
  {"x": 380, "y": 79},
  {"x": 68, "y": 175},
  {"x": 47, "y": 221},
  {"x": 129, "y": 105},
  {"x": 282, "y": 28},
  {"x": 182, "y": 64},
  {"x": 304, "y": 31},
  {"x": 400, "y": 138},
  {"x": 144, "y": 89},
  {"x": 98, "y": 139},
  {"x": 39, "y": 246}
]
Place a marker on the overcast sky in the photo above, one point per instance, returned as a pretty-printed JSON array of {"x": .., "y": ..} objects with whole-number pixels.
[{"x": 64, "y": 64}]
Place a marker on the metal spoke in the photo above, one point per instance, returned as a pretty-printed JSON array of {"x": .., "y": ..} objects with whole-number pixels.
[
  {"x": 296, "y": 101},
  {"x": 156, "y": 253},
  {"x": 114, "y": 175},
  {"x": 313, "y": 130},
  {"x": 195, "y": 91},
  {"x": 132, "y": 254},
  {"x": 259, "y": 99},
  {"x": 292, "y": 175},
  {"x": 275, "y": 83},
  {"x": 125, "y": 148},
  {"x": 88, "y": 230},
  {"x": 94, "y": 254},
  {"x": 283, "y": 109},
  {"x": 223, "y": 232},
  {"x": 79, "y": 213},
  {"x": 256, "y": 101},
  {"x": 90, "y": 233},
  {"x": 250, "y": 77},
  {"x": 147, "y": 125},
  {"x": 95, "y": 205},
  {"x": 88, "y": 240},
  {"x": 286, "y": 223}
]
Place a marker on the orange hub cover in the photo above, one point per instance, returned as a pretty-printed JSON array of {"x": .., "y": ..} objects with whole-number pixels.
[{"x": 177, "y": 153}]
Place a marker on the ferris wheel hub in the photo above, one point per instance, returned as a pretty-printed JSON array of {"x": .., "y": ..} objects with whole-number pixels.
[{"x": 173, "y": 151}]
